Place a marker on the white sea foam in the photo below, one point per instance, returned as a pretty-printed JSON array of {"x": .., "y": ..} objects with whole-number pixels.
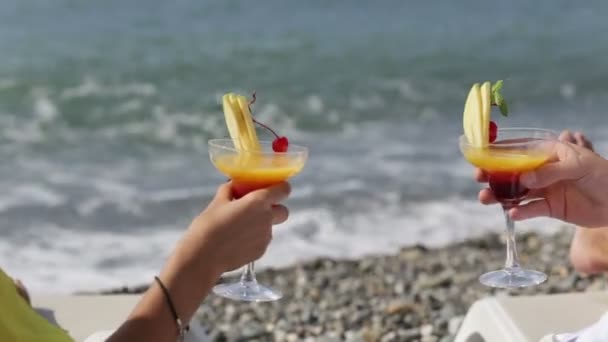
[
  {"x": 89, "y": 86},
  {"x": 317, "y": 232},
  {"x": 161, "y": 196},
  {"x": 50, "y": 259},
  {"x": 92, "y": 87},
  {"x": 30, "y": 194},
  {"x": 367, "y": 102},
  {"x": 567, "y": 90},
  {"x": 44, "y": 108},
  {"x": 129, "y": 106},
  {"x": 405, "y": 88},
  {"x": 24, "y": 133}
]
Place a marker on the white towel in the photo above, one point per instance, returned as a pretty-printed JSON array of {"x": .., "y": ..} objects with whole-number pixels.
[
  {"x": 196, "y": 334},
  {"x": 598, "y": 332}
]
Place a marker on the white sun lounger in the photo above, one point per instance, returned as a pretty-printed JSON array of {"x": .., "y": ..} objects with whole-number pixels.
[
  {"x": 530, "y": 318},
  {"x": 84, "y": 316}
]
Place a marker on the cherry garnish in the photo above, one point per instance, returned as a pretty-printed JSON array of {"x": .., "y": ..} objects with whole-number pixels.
[
  {"x": 280, "y": 143},
  {"x": 493, "y": 131}
]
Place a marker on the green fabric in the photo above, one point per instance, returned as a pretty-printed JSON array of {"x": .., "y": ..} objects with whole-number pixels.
[{"x": 19, "y": 322}]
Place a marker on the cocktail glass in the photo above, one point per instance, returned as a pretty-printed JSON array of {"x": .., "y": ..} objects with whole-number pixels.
[
  {"x": 249, "y": 171},
  {"x": 516, "y": 150}
]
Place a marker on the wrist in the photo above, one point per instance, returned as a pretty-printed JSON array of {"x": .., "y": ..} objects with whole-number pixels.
[
  {"x": 198, "y": 267},
  {"x": 188, "y": 280},
  {"x": 197, "y": 256}
]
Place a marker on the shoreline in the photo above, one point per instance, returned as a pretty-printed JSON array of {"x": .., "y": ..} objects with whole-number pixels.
[{"x": 416, "y": 294}]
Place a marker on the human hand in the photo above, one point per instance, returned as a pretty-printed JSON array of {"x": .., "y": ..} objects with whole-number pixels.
[
  {"x": 577, "y": 138},
  {"x": 233, "y": 232},
  {"x": 569, "y": 188}
]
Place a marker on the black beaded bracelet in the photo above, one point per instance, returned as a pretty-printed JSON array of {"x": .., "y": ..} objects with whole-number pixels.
[{"x": 181, "y": 328}]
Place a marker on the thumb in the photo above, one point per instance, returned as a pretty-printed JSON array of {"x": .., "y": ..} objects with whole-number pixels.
[
  {"x": 273, "y": 194},
  {"x": 224, "y": 193},
  {"x": 566, "y": 167}
]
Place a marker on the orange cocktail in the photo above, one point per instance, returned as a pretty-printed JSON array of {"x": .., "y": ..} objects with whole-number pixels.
[
  {"x": 252, "y": 171},
  {"x": 505, "y": 161}
]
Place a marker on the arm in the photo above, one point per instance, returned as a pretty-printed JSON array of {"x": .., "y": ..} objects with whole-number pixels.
[
  {"x": 188, "y": 281},
  {"x": 589, "y": 250},
  {"x": 227, "y": 235}
]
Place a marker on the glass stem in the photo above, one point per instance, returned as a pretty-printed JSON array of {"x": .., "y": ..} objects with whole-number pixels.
[
  {"x": 248, "y": 275},
  {"x": 511, "y": 261}
]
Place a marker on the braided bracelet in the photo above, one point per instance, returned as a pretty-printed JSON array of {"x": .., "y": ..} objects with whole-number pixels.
[{"x": 181, "y": 328}]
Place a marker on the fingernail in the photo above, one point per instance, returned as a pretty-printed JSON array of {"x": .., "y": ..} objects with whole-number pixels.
[{"x": 528, "y": 178}]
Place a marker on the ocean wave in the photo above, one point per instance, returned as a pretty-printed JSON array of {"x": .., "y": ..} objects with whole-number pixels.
[
  {"x": 88, "y": 260},
  {"x": 135, "y": 115},
  {"x": 30, "y": 195},
  {"x": 318, "y": 232},
  {"x": 44, "y": 108},
  {"x": 7, "y": 83},
  {"x": 90, "y": 87},
  {"x": 49, "y": 259}
]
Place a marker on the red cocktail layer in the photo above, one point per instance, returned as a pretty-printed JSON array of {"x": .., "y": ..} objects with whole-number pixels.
[
  {"x": 506, "y": 187},
  {"x": 241, "y": 189}
]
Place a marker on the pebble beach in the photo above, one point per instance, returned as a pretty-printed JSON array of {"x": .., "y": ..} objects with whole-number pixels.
[{"x": 417, "y": 294}]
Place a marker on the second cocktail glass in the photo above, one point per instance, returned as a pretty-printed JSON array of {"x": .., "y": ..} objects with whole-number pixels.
[
  {"x": 249, "y": 171},
  {"x": 516, "y": 150}
]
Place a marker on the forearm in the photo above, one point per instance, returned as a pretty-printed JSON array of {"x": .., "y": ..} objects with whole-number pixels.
[
  {"x": 589, "y": 250},
  {"x": 188, "y": 281}
]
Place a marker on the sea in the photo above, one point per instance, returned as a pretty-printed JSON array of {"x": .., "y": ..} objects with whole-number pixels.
[{"x": 106, "y": 108}]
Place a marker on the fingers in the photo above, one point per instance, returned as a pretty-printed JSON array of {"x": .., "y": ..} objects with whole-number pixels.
[
  {"x": 224, "y": 193},
  {"x": 567, "y": 136},
  {"x": 280, "y": 214},
  {"x": 486, "y": 196},
  {"x": 481, "y": 176},
  {"x": 273, "y": 194},
  {"x": 567, "y": 167},
  {"x": 577, "y": 138},
  {"x": 581, "y": 140},
  {"x": 538, "y": 208},
  {"x": 545, "y": 176}
]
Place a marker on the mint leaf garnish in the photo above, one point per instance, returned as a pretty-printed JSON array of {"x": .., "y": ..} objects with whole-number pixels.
[
  {"x": 497, "y": 98},
  {"x": 497, "y": 86},
  {"x": 504, "y": 109}
]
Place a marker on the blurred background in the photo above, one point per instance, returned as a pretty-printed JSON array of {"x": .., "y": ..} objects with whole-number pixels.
[{"x": 106, "y": 108}]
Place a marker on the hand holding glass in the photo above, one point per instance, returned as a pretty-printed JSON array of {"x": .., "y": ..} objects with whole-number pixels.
[
  {"x": 249, "y": 171},
  {"x": 516, "y": 150}
]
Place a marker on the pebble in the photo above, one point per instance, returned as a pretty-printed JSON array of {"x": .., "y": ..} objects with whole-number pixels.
[
  {"x": 426, "y": 330},
  {"x": 400, "y": 307},
  {"x": 389, "y": 337}
]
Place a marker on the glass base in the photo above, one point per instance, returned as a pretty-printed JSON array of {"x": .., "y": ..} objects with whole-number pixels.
[
  {"x": 513, "y": 278},
  {"x": 247, "y": 291}
]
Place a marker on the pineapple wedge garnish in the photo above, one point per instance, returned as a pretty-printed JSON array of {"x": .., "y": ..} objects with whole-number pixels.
[
  {"x": 471, "y": 119},
  {"x": 240, "y": 123},
  {"x": 476, "y": 116},
  {"x": 486, "y": 109}
]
